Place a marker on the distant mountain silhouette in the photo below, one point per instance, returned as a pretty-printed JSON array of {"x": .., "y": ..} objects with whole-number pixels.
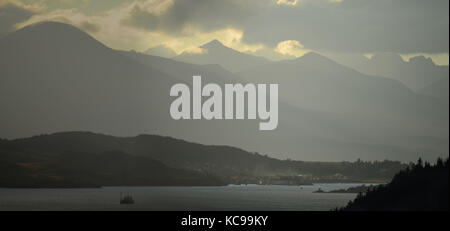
[
  {"x": 309, "y": 93},
  {"x": 316, "y": 82},
  {"x": 419, "y": 187},
  {"x": 211, "y": 73},
  {"x": 216, "y": 53},
  {"x": 72, "y": 159},
  {"x": 384, "y": 108},
  {"x": 315, "y": 60},
  {"x": 161, "y": 51},
  {"x": 416, "y": 73},
  {"x": 54, "y": 77},
  {"x": 438, "y": 89}
]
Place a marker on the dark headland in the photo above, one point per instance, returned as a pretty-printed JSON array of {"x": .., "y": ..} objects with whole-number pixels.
[{"x": 84, "y": 159}]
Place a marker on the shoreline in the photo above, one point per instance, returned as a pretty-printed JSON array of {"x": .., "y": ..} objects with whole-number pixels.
[{"x": 186, "y": 186}]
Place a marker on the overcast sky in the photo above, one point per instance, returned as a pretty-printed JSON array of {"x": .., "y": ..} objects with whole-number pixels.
[{"x": 272, "y": 28}]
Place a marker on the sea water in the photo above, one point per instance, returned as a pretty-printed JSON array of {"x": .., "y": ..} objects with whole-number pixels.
[{"x": 232, "y": 197}]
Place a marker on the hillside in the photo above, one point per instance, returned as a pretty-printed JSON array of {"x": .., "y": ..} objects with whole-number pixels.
[
  {"x": 22, "y": 166},
  {"x": 438, "y": 89},
  {"x": 419, "y": 187},
  {"x": 99, "y": 159}
]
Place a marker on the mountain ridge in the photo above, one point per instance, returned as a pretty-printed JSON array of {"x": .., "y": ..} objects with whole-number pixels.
[
  {"x": 217, "y": 53},
  {"x": 161, "y": 51}
]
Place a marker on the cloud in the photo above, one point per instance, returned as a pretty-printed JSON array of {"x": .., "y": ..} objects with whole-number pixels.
[
  {"x": 348, "y": 26},
  {"x": 90, "y": 27},
  {"x": 271, "y": 54},
  {"x": 357, "y": 26},
  {"x": 287, "y": 2},
  {"x": 230, "y": 37},
  {"x": 204, "y": 15},
  {"x": 290, "y": 48},
  {"x": 303, "y": 2},
  {"x": 68, "y": 16},
  {"x": 195, "y": 50},
  {"x": 12, "y": 13}
]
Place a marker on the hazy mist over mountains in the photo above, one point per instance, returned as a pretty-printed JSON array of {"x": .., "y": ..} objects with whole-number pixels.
[
  {"x": 55, "y": 77},
  {"x": 161, "y": 51}
]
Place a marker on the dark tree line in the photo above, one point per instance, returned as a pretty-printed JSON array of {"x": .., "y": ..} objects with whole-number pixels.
[{"x": 421, "y": 186}]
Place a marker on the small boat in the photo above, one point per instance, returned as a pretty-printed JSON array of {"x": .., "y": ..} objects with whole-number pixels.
[
  {"x": 319, "y": 191},
  {"x": 126, "y": 199}
]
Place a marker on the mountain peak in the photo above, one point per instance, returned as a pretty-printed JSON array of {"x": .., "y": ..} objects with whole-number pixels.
[
  {"x": 421, "y": 60},
  {"x": 52, "y": 34},
  {"x": 51, "y": 27},
  {"x": 51, "y": 24},
  {"x": 217, "y": 53},
  {"x": 313, "y": 57},
  {"x": 213, "y": 44},
  {"x": 391, "y": 58}
]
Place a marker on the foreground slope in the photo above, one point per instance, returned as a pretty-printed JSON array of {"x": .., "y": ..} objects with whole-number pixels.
[{"x": 421, "y": 187}]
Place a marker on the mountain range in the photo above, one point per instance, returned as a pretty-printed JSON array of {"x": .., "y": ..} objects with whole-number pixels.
[
  {"x": 54, "y": 77},
  {"x": 417, "y": 73}
]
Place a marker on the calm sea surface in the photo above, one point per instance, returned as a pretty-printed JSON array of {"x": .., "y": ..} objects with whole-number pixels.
[{"x": 233, "y": 197}]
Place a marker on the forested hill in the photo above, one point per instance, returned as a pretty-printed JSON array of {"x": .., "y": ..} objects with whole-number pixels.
[
  {"x": 84, "y": 158},
  {"x": 419, "y": 187}
]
